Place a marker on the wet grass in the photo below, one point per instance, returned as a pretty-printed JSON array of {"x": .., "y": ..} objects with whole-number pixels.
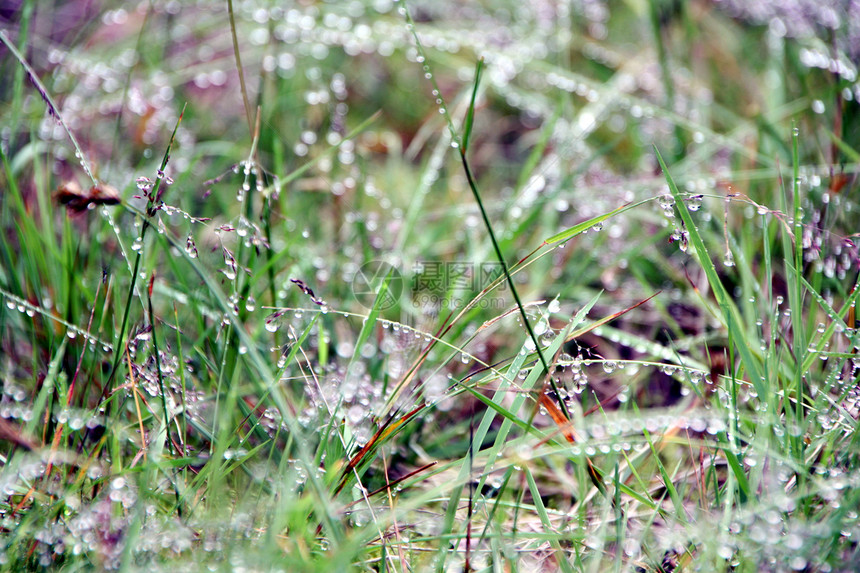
[{"x": 304, "y": 289}]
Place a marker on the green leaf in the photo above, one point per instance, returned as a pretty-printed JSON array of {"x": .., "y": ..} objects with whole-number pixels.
[
  {"x": 470, "y": 115},
  {"x": 731, "y": 316},
  {"x": 585, "y": 225}
]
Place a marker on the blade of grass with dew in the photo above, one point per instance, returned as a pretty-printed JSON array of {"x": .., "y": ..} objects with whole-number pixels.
[
  {"x": 52, "y": 107},
  {"x": 458, "y": 143},
  {"x": 264, "y": 379},
  {"x": 154, "y": 193},
  {"x": 369, "y": 324},
  {"x": 736, "y": 466},
  {"x": 528, "y": 384},
  {"x": 680, "y": 512},
  {"x": 795, "y": 290},
  {"x": 540, "y": 509},
  {"x": 730, "y": 312},
  {"x": 577, "y": 229},
  {"x": 248, "y": 410},
  {"x": 836, "y": 321},
  {"x": 509, "y": 418},
  {"x": 45, "y": 394},
  {"x": 470, "y": 113}
]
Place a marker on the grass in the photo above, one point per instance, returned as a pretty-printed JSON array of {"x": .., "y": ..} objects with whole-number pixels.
[{"x": 428, "y": 286}]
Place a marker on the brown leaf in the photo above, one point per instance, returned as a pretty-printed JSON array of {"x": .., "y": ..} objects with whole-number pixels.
[{"x": 77, "y": 200}]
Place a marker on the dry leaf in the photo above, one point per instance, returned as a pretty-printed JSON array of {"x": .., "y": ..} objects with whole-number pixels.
[{"x": 76, "y": 199}]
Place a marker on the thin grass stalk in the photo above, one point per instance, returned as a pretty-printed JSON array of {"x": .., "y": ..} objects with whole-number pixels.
[
  {"x": 246, "y": 102},
  {"x": 461, "y": 143},
  {"x": 158, "y": 369},
  {"x": 798, "y": 333},
  {"x": 154, "y": 195},
  {"x": 53, "y": 110}
]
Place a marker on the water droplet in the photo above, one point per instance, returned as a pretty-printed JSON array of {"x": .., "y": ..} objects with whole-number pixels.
[
  {"x": 230, "y": 269},
  {"x": 144, "y": 184},
  {"x": 190, "y": 247},
  {"x": 666, "y": 201},
  {"x": 694, "y": 202},
  {"x": 729, "y": 259},
  {"x": 137, "y": 245},
  {"x": 242, "y": 227},
  {"x": 250, "y": 303}
]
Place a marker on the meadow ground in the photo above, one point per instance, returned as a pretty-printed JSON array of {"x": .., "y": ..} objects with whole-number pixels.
[{"x": 429, "y": 286}]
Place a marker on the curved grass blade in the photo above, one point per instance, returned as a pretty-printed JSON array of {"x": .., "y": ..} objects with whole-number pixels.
[
  {"x": 586, "y": 225},
  {"x": 470, "y": 114},
  {"x": 730, "y": 313}
]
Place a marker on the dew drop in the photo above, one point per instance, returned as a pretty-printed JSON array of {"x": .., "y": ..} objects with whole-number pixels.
[
  {"x": 190, "y": 247},
  {"x": 144, "y": 183},
  {"x": 694, "y": 202}
]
